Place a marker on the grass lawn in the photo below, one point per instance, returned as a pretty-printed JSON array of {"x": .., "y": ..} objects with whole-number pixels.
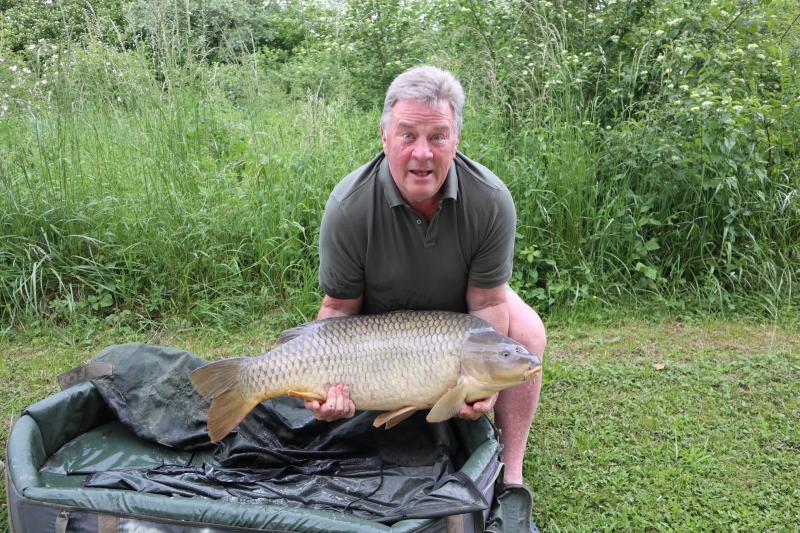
[{"x": 710, "y": 441}]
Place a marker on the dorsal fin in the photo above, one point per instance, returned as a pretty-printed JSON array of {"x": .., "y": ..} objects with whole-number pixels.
[{"x": 299, "y": 331}]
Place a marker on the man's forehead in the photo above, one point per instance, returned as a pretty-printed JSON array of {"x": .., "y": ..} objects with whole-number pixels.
[
  {"x": 438, "y": 124},
  {"x": 411, "y": 113}
]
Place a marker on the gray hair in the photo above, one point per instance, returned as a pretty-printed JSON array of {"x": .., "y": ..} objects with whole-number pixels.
[{"x": 425, "y": 84}]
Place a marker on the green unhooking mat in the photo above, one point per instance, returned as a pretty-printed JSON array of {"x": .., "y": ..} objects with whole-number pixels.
[{"x": 130, "y": 447}]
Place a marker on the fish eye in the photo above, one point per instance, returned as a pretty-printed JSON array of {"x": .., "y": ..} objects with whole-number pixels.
[{"x": 505, "y": 353}]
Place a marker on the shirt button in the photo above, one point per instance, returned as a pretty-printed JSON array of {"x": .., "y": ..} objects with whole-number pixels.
[{"x": 419, "y": 221}]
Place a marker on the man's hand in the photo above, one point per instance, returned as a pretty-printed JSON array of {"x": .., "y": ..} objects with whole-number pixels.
[
  {"x": 477, "y": 409},
  {"x": 338, "y": 406}
]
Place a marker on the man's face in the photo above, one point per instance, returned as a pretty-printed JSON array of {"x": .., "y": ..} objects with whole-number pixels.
[{"x": 420, "y": 145}]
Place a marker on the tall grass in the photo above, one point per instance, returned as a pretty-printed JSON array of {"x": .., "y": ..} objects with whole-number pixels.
[
  {"x": 147, "y": 183},
  {"x": 201, "y": 199}
]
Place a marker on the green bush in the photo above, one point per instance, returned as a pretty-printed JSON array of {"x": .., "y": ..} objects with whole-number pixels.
[{"x": 25, "y": 23}]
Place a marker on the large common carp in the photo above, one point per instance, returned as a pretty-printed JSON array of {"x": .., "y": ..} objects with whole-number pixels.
[{"x": 398, "y": 362}]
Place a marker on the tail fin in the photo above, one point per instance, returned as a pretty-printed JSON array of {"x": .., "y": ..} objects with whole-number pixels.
[{"x": 220, "y": 382}]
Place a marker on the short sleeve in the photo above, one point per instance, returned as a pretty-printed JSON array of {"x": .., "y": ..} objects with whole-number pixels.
[
  {"x": 341, "y": 265},
  {"x": 491, "y": 264}
]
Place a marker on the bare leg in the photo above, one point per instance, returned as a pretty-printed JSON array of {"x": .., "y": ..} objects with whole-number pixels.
[{"x": 516, "y": 407}]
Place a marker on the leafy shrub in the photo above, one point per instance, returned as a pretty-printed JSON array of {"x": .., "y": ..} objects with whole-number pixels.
[{"x": 27, "y": 22}]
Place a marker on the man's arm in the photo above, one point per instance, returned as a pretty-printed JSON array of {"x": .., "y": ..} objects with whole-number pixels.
[
  {"x": 332, "y": 307},
  {"x": 492, "y": 306}
]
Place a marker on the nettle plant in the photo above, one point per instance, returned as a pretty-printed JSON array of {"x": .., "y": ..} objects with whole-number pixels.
[
  {"x": 693, "y": 115},
  {"x": 715, "y": 89}
]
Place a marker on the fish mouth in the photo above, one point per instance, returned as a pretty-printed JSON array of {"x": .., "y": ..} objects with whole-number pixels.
[{"x": 532, "y": 371}]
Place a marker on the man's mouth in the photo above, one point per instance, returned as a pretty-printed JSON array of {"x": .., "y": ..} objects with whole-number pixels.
[{"x": 422, "y": 173}]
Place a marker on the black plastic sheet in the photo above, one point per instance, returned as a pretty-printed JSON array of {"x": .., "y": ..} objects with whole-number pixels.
[{"x": 281, "y": 454}]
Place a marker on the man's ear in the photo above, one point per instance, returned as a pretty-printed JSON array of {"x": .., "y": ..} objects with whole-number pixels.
[{"x": 383, "y": 135}]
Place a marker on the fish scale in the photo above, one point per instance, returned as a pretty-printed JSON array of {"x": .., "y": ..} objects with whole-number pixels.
[
  {"x": 386, "y": 346},
  {"x": 397, "y": 362}
]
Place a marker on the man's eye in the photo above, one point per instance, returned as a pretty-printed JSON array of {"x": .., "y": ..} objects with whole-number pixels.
[{"x": 406, "y": 136}]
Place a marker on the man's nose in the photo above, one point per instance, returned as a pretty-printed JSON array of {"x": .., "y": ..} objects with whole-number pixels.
[{"x": 422, "y": 149}]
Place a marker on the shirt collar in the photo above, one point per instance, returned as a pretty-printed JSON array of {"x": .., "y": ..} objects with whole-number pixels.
[{"x": 392, "y": 193}]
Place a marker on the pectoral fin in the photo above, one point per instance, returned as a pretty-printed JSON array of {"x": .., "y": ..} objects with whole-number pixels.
[
  {"x": 393, "y": 418},
  {"x": 449, "y": 404},
  {"x": 313, "y": 396}
]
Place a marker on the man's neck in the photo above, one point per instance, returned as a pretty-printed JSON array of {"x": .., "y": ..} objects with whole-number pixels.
[{"x": 427, "y": 208}]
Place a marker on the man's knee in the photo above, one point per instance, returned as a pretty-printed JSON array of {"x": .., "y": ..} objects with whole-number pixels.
[{"x": 525, "y": 326}]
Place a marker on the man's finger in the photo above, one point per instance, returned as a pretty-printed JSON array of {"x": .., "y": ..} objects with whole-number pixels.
[{"x": 484, "y": 406}]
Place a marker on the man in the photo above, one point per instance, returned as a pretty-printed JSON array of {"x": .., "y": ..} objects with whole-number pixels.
[{"x": 423, "y": 227}]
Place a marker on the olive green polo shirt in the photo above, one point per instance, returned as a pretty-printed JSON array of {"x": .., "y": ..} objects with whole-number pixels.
[{"x": 373, "y": 243}]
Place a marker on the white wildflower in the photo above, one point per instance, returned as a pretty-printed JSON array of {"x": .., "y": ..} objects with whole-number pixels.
[
  {"x": 761, "y": 56},
  {"x": 707, "y": 103},
  {"x": 693, "y": 109},
  {"x": 684, "y": 87},
  {"x": 12, "y": 68},
  {"x": 752, "y": 46},
  {"x": 615, "y": 38}
]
